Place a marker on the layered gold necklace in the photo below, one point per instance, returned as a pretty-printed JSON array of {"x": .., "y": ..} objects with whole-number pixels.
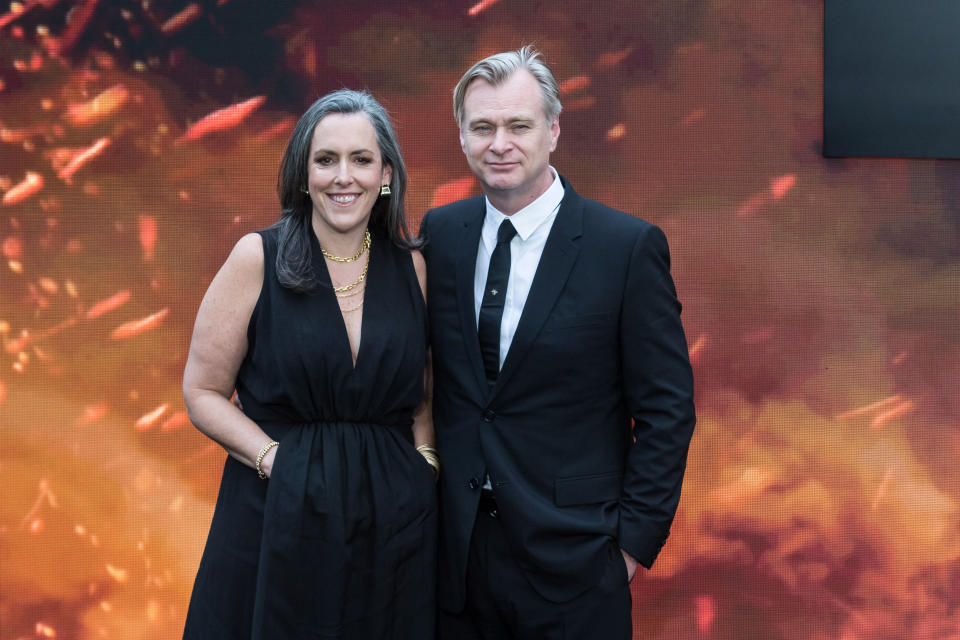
[
  {"x": 356, "y": 256},
  {"x": 354, "y": 288}
]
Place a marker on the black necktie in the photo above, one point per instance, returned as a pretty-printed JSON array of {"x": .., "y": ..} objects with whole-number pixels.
[{"x": 491, "y": 308}]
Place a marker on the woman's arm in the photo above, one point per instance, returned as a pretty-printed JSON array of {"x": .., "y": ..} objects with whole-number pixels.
[
  {"x": 218, "y": 347},
  {"x": 423, "y": 437},
  {"x": 423, "y": 415}
]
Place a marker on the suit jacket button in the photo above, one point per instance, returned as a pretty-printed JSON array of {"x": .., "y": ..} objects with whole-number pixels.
[
  {"x": 473, "y": 484},
  {"x": 489, "y": 415}
]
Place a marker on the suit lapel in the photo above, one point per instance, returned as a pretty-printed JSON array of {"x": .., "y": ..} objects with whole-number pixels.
[
  {"x": 467, "y": 249},
  {"x": 559, "y": 255}
]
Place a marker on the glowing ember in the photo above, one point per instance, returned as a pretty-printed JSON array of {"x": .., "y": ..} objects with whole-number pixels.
[
  {"x": 222, "y": 119},
  {"x": 49, "y": 285},
  {"x": 616, "y": 132},
  {"x": 882, "y": 489},
  {"x": 79, "y": 17},
  {"x": 176, "y": 421},
  {"x": 612, "y": 58},
  {"x": 118, "y": 299},
  {"x": 30, "y": 185},
  {"x": 147, "y": 420},
  {"x": 697, "y": 347},
  {"x": 136, "y": 327},
  {"x": 283, "y": 127},
  {"x": 870, "y": 408},
  {"x": 148, "y": 235},
  {"x": 81, "y": 157},
  {"x": 118, "y": 574},
  {"x": 576, "y": 83},
  {"x": 780, "y": 186},
  {"x": 177, "y": 22},
  {"x": 706, "y": 613},
  {"x": 103, "y": 105},
  {"x": 480, "y": 7},
  {"x": 892, "y": 413},
  {"x": 20, "y": 343},
  {"x": 12, "y": 247}
]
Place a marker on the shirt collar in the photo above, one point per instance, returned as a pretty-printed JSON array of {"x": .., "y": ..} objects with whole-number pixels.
[{"x": 528, "y": 219}]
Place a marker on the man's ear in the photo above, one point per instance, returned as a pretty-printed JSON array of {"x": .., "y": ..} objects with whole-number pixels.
[{"x": 554, "y": 133}]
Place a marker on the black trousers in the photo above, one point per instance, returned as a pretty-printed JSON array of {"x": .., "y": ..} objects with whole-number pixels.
[{"x": 502, "y": 605}]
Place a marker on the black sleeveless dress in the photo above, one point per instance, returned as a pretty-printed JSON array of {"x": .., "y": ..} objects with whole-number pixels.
[{"x": 340, "y": 541}]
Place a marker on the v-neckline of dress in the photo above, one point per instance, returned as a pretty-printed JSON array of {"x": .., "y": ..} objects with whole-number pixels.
[{"x": 332, "y": 297}]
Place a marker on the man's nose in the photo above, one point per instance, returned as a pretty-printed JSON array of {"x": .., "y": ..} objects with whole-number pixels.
[{"x": 501, "y": 141}]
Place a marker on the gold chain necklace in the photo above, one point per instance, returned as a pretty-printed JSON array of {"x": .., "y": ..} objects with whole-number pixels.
[
  {"x": 355, "y": 283},
  {"x": 353, "y": 258},
  {"x": 342, "y": 310},
  {"x": 341, "y": 296}
]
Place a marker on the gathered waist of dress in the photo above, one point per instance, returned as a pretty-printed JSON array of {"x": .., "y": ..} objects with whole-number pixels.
[{"x": 276, "y": 429}]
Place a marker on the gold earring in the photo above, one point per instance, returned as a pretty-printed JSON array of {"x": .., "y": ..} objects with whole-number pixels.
[{"x": 385, "y": 190}]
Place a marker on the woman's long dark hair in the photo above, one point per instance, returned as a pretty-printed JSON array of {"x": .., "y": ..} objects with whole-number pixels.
[{"x": 294, "y": 269}]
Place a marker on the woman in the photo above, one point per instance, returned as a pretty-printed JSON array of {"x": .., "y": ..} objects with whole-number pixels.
[{"x": 325, "y": 522}]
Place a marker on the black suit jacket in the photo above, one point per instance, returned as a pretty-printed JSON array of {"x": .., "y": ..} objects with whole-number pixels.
[{"x": 585, "y": 433}]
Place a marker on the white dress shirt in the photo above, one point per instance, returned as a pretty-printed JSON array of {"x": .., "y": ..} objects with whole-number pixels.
[{"x": 533, "y": 224}]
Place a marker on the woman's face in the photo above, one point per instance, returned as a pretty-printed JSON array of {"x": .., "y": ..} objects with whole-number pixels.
[{"x": 345, "y": 171}]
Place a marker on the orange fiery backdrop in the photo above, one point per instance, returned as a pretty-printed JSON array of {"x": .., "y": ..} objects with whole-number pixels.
[{"x": 140, "y": 140}]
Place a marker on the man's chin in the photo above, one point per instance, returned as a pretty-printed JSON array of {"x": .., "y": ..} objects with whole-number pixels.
[{"x": 500, "y": 183}]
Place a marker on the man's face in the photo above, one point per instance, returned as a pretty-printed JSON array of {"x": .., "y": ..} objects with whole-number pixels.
[{"x": 508, "y": 140}]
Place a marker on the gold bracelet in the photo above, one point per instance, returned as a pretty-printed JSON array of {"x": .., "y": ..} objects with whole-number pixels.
[
  {"x": 433, "y": 459},
  {"x": 263, "y": 452}
]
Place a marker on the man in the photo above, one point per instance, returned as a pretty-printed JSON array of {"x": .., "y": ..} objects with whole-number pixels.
[{"x": 563, "y": 399}]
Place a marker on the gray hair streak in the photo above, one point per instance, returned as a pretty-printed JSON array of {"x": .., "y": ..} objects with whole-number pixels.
[{"x": 497, "y": 68}]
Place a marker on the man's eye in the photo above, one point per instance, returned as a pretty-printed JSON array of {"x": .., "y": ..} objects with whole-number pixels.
[{"x": 481, "y": 128}]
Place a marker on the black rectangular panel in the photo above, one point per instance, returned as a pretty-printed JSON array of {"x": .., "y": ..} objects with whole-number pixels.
[{"x": 892, "y": 78}]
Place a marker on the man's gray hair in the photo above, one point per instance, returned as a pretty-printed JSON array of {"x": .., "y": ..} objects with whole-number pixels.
[{"x": 498, "y": 67}]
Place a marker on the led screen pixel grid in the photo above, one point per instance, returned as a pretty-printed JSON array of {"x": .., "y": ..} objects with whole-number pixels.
[{"x": 820, "y": 302}]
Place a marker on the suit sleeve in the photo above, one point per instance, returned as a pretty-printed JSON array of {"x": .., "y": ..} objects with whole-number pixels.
[
  {"x": 658, "y": 387},
  {"x": 424, "y": 234}
]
